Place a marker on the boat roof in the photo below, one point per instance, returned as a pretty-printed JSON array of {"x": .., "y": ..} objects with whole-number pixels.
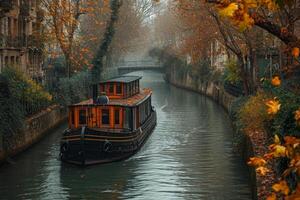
[
  {"x": 128, "y": 102},
  {"x": 122, "y": 79}
]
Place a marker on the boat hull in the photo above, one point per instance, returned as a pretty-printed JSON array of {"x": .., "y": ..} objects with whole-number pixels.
[{"x": 89, "y": 146}]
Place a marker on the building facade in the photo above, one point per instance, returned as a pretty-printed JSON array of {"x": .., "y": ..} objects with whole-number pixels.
[
  {"x": 218, "y": 55},
  {"x": 21, "y": 43}
]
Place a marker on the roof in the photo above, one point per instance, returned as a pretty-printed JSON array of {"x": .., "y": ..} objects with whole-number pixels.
[
  {"x": 129, "y": 102},
  {"x": 122, "y": 79}
]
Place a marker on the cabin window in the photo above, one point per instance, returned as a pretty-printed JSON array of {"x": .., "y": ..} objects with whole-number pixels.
[
  {"x": 128, "y": 121},
  {"x": 137, "y": 86},
  {"x": 82, "y": 117},
  {"x": 105, "y": 116},
  {"x": 111, "y": 88},
  {"x": 117, "y": 116},
  {"x": 125, "y": 90},
  {"x": 147, "y": 108},
  {"x": 72, "y": 117},
  {"x": 142, "y": 113},
  {"x": 119, "y": 88},
  {"x": 132, "y": 88},
  {"x": 129, "y": 89}
]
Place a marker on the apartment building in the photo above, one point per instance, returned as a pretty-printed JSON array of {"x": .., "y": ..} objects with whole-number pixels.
[{"x": 20, "y": 36}]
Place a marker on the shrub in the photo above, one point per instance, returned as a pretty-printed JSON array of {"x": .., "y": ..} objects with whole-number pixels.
[
  {"x": 73, "y": 90},
  {"x": 232, "y": 72},
  {"x": 27, "y": 92},
  {"x": 284, "y": 122},
  {"x": 11, "y": 112},
  {"x": 253, "y": 113}
]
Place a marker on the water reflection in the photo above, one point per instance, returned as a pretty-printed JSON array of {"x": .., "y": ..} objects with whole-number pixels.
[{"x": 188, "y": 156}]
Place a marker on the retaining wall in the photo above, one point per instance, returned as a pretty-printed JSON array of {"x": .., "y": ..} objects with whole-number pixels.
[
  {"x": 35, "y": 128},
  {"x": 218, "y": 94}
]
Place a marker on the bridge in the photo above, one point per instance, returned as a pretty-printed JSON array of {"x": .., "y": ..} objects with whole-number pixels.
[{"x": 138, "y": 65}]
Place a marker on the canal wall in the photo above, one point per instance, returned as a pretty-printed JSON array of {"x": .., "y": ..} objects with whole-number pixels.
[
  {"x": 35, "y": 128},
  {"x": 219, "y": 95}
]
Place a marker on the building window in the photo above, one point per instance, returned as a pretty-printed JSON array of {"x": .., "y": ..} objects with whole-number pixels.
[
  {"x": 82, "y": 117},
  {"x": 105, "y": 116},
  {"x": 12, "y": 60},
  {"x": 117, "y": 116},
  {"x": 119, "y": 88},
  {"x": 6, "y": 61}
]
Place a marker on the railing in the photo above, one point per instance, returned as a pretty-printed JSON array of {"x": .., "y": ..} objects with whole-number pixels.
[
  {"x": 19, "y": 41},
  {"x": 10, "y": 41},
  {"x": 139, "y": 63}
]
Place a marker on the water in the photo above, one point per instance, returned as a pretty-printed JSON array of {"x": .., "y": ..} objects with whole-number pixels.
[{"x": 188, "y": 156}]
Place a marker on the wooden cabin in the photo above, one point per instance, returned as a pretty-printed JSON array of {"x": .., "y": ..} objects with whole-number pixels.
[
  {"x": 128, "y": 107},
  {"x": 121, "y": 87}
]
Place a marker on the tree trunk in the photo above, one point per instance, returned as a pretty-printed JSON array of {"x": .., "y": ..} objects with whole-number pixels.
[
  {"x": 106, "y": 41},
  {"x": 243, "y": 75}
]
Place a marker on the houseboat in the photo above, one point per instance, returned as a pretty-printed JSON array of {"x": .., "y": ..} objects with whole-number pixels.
[{"x": 109, "y": 127}]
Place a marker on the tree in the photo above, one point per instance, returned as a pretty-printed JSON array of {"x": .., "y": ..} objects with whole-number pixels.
[
  {"x": 106, "y": 41},
  {"x": 62, "y": 19},
  {"x": 277, "y": 17}
]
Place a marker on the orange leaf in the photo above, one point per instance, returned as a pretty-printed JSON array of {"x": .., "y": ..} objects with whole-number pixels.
[
  {"x": 281, "y": 187},
  {"x": 295, "y": 52},
  {"x": 257, "y": 162},
  {"x": 272, "y": 197},
  {"x": 276, "y": 81}
]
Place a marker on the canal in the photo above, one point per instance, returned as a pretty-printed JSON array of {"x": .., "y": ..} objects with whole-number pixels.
[{"x": 188, "y": 156}]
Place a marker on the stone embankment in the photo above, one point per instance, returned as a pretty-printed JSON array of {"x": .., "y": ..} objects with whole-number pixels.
[
  {"x": 35, "y": 128},
  {"x": 250, "y": 146}
]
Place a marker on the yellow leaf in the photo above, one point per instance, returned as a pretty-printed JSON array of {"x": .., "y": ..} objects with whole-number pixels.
[
  {"x": 229, "y": 10},
  {"x": 279, "y": 151},
  {"x": 276, "y": 139},
  {"x": 246, "y": 22},
  {"x": 276, "y": 81},
  {"x": 262, "y": 170},
  {"x": 273, "y": 106}
]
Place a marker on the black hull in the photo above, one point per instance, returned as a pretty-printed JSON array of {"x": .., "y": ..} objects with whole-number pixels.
[{"x": 88, "y": 146}]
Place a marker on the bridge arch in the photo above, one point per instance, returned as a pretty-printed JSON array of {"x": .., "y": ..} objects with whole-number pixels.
[{"x": 139, "y": 65}]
